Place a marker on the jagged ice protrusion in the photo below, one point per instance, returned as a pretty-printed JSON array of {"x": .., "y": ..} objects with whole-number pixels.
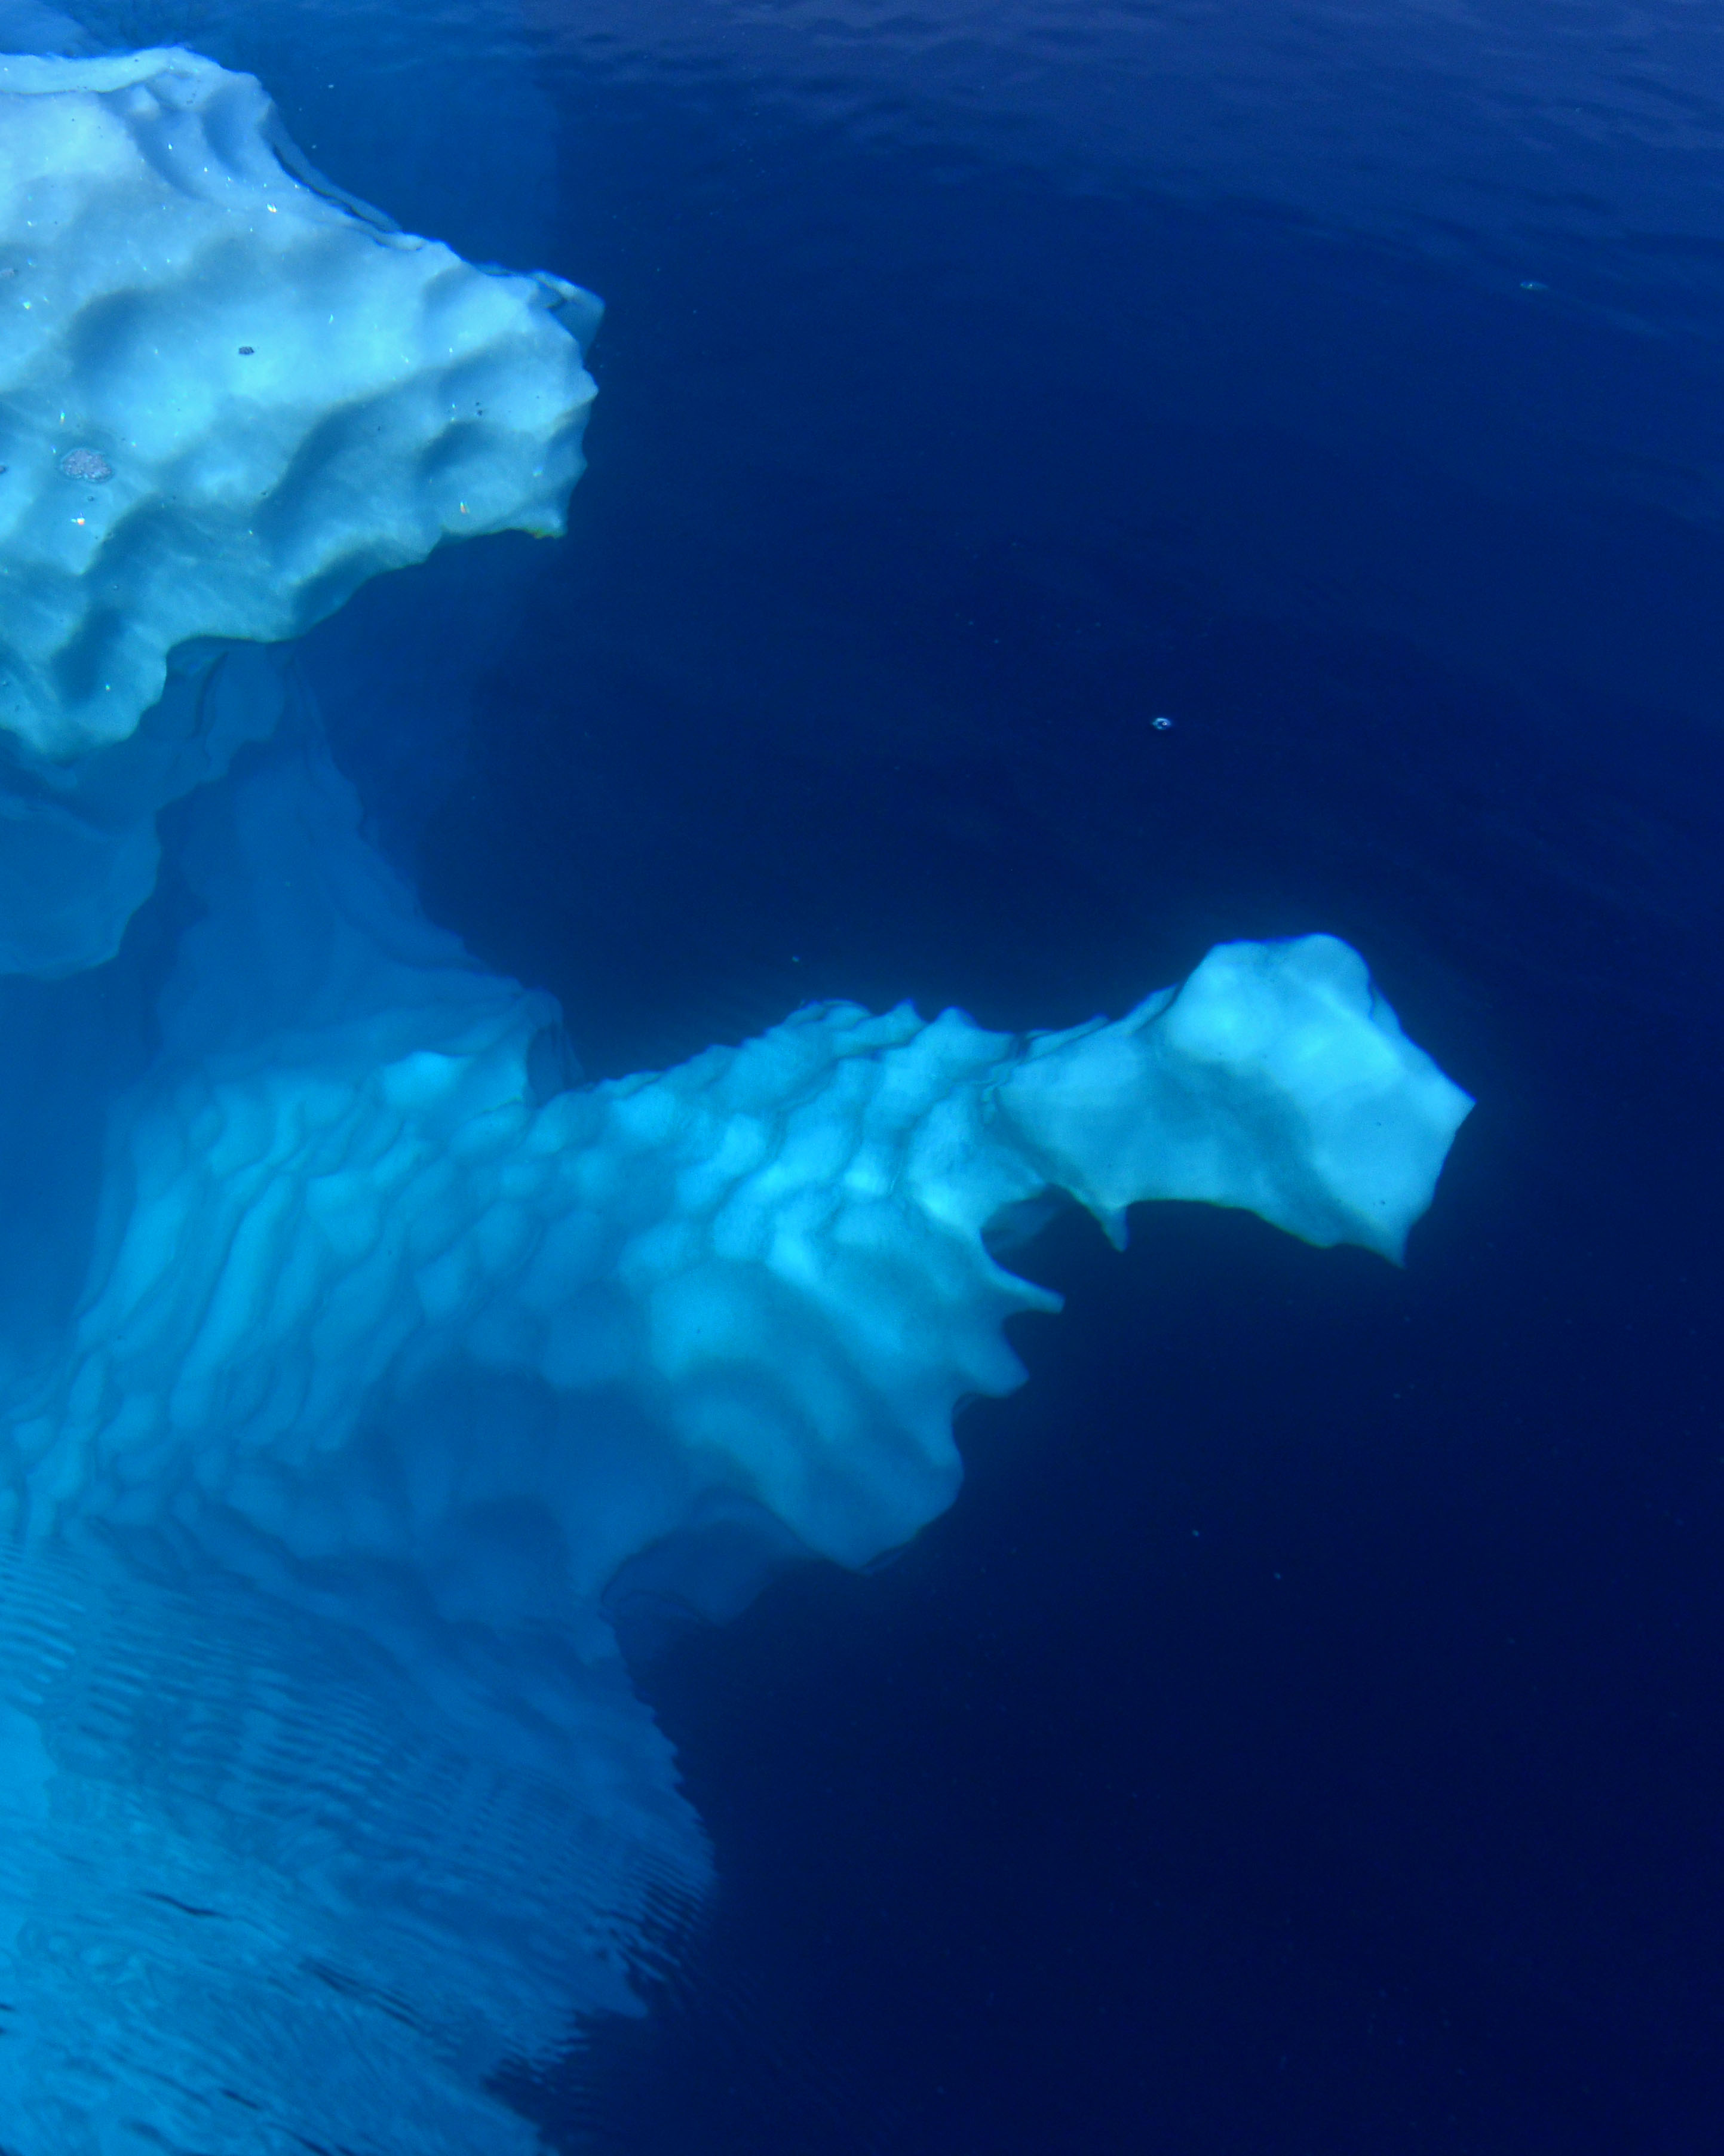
[{"x": 338, "y": 1181}]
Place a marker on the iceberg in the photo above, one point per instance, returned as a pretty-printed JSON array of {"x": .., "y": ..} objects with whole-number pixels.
[{"x": 367, "y": 1379}]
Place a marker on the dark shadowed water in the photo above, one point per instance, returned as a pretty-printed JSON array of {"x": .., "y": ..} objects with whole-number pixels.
[{"x": 1302, "y": 1738}]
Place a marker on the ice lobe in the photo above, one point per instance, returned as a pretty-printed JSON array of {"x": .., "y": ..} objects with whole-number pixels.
[
  {"x": 228, "y": 394},
  {"x": 1276, "y": 1078}
]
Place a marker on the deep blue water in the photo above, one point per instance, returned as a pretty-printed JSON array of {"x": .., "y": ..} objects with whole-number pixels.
[{"x": 1302, "y": 1739}]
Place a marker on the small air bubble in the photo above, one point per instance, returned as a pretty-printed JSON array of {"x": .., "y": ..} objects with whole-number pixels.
[{"x": 1161, "y": 723}]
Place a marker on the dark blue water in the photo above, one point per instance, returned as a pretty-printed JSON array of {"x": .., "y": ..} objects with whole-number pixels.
[{"x": 1302, "y": 1738}]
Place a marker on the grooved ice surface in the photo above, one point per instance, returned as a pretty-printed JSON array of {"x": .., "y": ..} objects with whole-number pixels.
[
  {"x": 228, "y": 394},
  {"x": 260, "y": 1891}
]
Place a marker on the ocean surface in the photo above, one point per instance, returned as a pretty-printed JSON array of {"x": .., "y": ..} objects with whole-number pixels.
[{"x": 1302, "y": 1738}]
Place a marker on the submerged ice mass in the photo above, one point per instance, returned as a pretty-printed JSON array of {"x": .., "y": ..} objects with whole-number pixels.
[{"x": 404, "y": 1370}]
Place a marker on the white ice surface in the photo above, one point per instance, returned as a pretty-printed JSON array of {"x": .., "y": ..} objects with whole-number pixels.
[
  {"x": 228, "y": 394},
  {"x": 278, "y": 393}
]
